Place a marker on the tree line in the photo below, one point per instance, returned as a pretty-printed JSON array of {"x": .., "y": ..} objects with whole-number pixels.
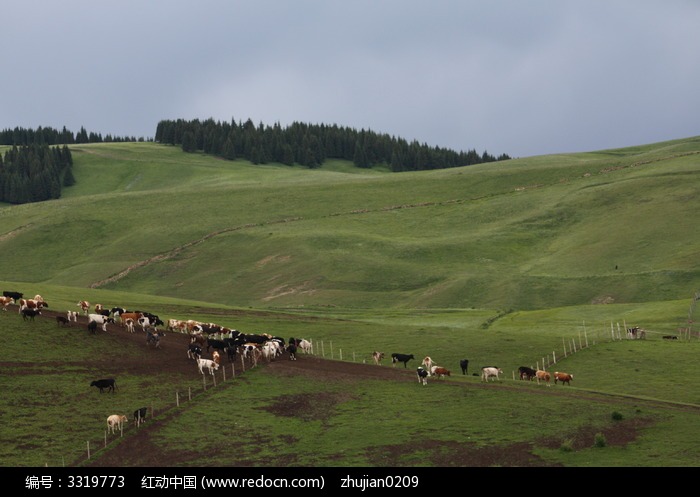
[
  {"x": 36, "y": 167},
  {"x": 50, "y": 136},
  {"x": 310, "y": 145},
  {"x": 33, "y": 173}
]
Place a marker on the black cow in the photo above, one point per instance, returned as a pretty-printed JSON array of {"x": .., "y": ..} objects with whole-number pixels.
[
  {"x": 216, "y": 345},
  {"x": 253, "y": 338},
  {"x": 109, "y": 383},
  {"x": 30, "y": 314},
  {"x": 140, "y": 415},
  {"x": 464, "y": 364},
  {"x": 62, "y": 320},
  {"x": 92, "y": 327},
  {"x": 401, "y": 358},
  {"x": 14, "y": 295},
  {"x": 292, "y": 349},
  {"x": 526, "y": 373}
]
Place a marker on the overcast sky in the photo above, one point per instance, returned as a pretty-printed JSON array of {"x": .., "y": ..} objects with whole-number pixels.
[{"x": 504, "y": 76}]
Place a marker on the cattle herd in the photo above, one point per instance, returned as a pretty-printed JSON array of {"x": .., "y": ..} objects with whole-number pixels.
[{"x": 222, "y": 341}]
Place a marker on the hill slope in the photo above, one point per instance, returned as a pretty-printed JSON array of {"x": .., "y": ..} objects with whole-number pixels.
[{"x": 539, "y": 232}]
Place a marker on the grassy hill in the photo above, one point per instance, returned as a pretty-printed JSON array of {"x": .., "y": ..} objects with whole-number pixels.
[
  {"x": 509, "y": 263},
  {"x": 613, "y": 226}
]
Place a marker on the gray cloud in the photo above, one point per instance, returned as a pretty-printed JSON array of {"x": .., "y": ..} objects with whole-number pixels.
[{"x": 523, "y": 78}]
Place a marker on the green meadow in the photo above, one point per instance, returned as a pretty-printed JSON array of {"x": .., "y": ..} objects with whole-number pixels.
[{"x": 539, "y": 261}]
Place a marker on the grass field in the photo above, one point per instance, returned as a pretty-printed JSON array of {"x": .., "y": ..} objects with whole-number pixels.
[{"x": 523, "y": 262}]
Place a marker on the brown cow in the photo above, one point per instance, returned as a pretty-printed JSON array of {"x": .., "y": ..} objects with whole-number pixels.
[
  {"x": 134, "y": 316},
  {"x": 544, "y": 376},
  {"x": 85, "y": 306},
  {"x": 5, "y": 301},
  {"x": 439, "y": 371},
  {"x": 36, "y": 305},
  {"x": 565, "y": 378}
]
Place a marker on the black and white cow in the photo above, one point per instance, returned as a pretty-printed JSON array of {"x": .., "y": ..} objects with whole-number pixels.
[
  {"x": 194, "y": 351},
  {"x": 401, "y": 358},
  {"x": 100, "y": 319},
  {"x": 422, "y": 375}
]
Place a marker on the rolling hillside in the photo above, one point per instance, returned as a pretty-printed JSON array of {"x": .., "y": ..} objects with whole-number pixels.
[{"x": 533, "y": 233}]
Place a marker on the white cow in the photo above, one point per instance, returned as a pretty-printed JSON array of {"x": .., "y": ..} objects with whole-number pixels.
[
  {"x": 208, "y": 364},
  {"x": 428, "y": 364},
  {"x": 490, "y": 372},
  {"x": 116, "y": 421},
  {"x": 271, "y": 349}
]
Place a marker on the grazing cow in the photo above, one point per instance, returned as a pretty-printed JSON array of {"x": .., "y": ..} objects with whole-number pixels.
[
  {"x": 5, "y": 301},
  {"x": 401, "y": 358},
  {"x": 491, "y": 372},
  {"x": 72, "y": 316},
  {"x": 544, "y": 376},
  {"x": 62, "y": 320},
  {"x": 208, "y": 364},
  {"x": 116, "y": 421},
  {"x": 292, "y": 349},
  {"x": 526, "y": 373},
  {"x": 109, "y": 383},
  {"x": 30, "y": 314},
  {"x": 378, "y": 356},
  {"x": 464, "y": 364},
  {"x": 84, "y": 306},
  {"x": 13, "y": 295},
  {"x": 565, "y": 378},
  {"x": 427, "y": 363},
  {"x": 422, "y": 375},
  {"x": 440, "y": 372},
  {"x": 92, "y": 327},
  {"x": 194, "y": 351},
  {"x": 670, "y": 337},
  {"x": 140, "y": 415}
]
